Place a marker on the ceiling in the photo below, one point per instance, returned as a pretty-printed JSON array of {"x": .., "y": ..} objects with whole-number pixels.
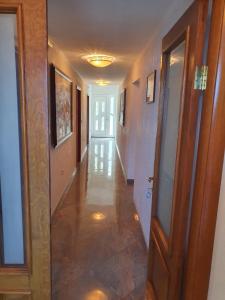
[{"x": 120, "y": 28}]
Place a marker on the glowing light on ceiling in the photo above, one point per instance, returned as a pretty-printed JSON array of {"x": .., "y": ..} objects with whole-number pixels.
[
  {"x": 96, "y": 295},
  {"x": 99, "y": 60},
  {"x": 102, "y": 82},
  {"x": 98, "y": 216}
]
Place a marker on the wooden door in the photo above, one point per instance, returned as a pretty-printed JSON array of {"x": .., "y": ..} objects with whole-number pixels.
[
  {"x": 24, "y": 152},
  {"x": 182, "y": 53},
  {"x": 79, "y": 120},
  {"x": 88, "y": 117}
]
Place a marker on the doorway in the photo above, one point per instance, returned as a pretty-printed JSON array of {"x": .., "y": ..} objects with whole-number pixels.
[
  {"x": 79, "y": 120},
  {"x": 103, "y": 116},
  {"x": 174, "y": 161}
]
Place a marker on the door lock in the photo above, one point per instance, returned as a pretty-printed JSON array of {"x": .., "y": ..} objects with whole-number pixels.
[{"x": 150, "y": 179}]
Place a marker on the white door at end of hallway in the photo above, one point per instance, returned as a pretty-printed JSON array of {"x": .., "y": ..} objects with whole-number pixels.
[{"x": 103, "y": 116}]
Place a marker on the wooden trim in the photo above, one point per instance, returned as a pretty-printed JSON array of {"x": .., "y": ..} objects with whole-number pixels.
[
  {"x": 191, "y": 28},
  {"x": 209, "y": 165},
  {"x": 88, "y": 118},
  {"x": 83, "y": 154},
  {"x": 16, "y": 8},
  {"x": 79, "y": 123},
  {"x": 150, "y": 294}
]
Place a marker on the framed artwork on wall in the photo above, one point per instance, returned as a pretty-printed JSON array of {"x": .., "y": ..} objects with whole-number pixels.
[
  {"x": 151, "y": 83},
  {"x": 122, "y": 113},
  {"x": 61, "y": 106}
]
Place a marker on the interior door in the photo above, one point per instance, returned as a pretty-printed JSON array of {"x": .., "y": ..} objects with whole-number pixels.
[
  {"x": 175, "y": 152},
  {"x": 103, "y": 116},
  {"x": 99, "y": 116},
  {"x": 79, "y": 120},
  {"x": 24, "y": 152}
]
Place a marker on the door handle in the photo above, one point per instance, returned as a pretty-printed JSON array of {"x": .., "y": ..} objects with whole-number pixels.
[{"x": 150, "y": 179}]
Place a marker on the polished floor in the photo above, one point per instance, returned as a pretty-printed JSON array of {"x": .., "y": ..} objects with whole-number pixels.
[{"x": 98, "y": 250}]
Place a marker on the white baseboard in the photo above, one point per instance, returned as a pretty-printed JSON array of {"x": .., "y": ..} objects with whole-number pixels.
[
  {"x": 83, "y": 154},
  {"x": 121, "y": 162}
]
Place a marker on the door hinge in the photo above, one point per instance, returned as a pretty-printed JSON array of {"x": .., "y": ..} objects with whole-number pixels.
[{"x": 201, "y": 77}]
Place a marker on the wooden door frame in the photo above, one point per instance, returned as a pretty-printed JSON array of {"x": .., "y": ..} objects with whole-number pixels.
[
  {"x": 79, "y": 120},
  {"x": 88, "y": 118},
  {"x": 182, "y": 30},
  {"x": 33, "y": 281},
  {"x": 209, "y": 165}
]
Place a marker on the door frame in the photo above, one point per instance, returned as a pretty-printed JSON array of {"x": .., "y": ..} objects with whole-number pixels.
[
  {"x": 92, "y": 104},
  {"x": 33, "y": 281},
  {"x": 79, "y": 120},
  {"x": 161, "y": 244},
  {"x": 209, "y": 165},
  {"x": 88, "y": 118}
]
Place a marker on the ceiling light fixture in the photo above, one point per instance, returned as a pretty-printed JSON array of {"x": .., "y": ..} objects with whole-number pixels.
[
  {"x": 99, "y": 60},
  {"x": 102, "y": 82},
  {"x": 98, "y": 216}
]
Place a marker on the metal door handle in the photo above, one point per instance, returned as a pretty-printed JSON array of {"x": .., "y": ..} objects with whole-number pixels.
[{"x": 150, "y": 179}]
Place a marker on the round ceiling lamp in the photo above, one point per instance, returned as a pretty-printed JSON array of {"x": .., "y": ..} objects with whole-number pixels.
[
  {"x": 102, "y": 82},
  {"x": 99, "y": 60}
]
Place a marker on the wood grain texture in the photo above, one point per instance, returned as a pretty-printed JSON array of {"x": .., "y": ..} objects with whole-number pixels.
[
  {"x": 189, "y": 28},
  {"x": 35, "y": 29},
  {"x": 209, "y": 164},
  {"x": 35, "y": 276}
]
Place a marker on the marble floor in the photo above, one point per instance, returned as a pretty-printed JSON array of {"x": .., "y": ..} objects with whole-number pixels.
[{"x": 98, "y": 250}]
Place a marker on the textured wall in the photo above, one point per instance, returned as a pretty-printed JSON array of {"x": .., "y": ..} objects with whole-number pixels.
[
  {"x": 217, "y": 287},
  {"x": 136, "y": 141},
  {"x": 61, "y": 168}
]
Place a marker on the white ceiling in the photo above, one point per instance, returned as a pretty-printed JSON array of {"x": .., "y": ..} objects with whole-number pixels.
[{"x": 120, "y": 28}]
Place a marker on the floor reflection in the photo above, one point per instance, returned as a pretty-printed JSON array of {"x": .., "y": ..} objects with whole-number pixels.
[{"x": 98, "y": 251}]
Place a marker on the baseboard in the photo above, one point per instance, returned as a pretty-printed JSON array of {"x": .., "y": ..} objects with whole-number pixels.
[
  {"x": 121, "y": 163},
  {"x": 128, "y": 181},
  {"x": 64, "y": 194},
  {"x": 83, "y": 154}
]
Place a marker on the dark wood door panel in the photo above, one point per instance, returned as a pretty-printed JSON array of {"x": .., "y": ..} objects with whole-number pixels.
[
  {"x": 168, "y": 235},
  {"x": 160, "y": 277}
]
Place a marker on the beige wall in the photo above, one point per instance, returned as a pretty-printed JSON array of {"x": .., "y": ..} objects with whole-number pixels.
[
  {"x": 217, "y": 280},
  {"x": 63, "y": 158}
]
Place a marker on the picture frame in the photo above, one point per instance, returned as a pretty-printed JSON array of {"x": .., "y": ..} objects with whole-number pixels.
[
  {"x": 61, "y": 89},
  {"x": 151, "y": 85},
  {"x": 122, "y": 113}
]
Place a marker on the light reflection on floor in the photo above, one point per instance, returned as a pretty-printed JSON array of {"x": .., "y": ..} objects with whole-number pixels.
[
  {"x": 96, "y": 295},
  {"x": 98, "y": 250}
]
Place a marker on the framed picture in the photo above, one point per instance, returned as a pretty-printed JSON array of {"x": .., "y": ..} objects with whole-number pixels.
[
  {"x": 61, "y": 106},
  {"x": 122, "y": 113},
  {"x": 151, "y": 82}
]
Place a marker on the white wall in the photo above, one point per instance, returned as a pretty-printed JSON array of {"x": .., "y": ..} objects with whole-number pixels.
[
  {"x": 9, "y": 145},
  {"x": 139, "y": 134},
  {"x": 217, "y": 280}
]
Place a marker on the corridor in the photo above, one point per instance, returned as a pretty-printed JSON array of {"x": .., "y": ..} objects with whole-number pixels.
[{"x": 98, "y": 250}]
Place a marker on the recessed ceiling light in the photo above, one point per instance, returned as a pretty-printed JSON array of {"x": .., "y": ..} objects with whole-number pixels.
[
  {"x": 99, "y": 60},
  {"x": 102, "y": 82}
]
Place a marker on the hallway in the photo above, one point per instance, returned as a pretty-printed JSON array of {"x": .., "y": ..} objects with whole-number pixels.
[{"x": 98, "y": 250}]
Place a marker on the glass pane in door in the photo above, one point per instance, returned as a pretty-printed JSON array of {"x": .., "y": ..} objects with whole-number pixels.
[
  {"x": 12, "y": 247},
  {"x": 169, "y": 138}
]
